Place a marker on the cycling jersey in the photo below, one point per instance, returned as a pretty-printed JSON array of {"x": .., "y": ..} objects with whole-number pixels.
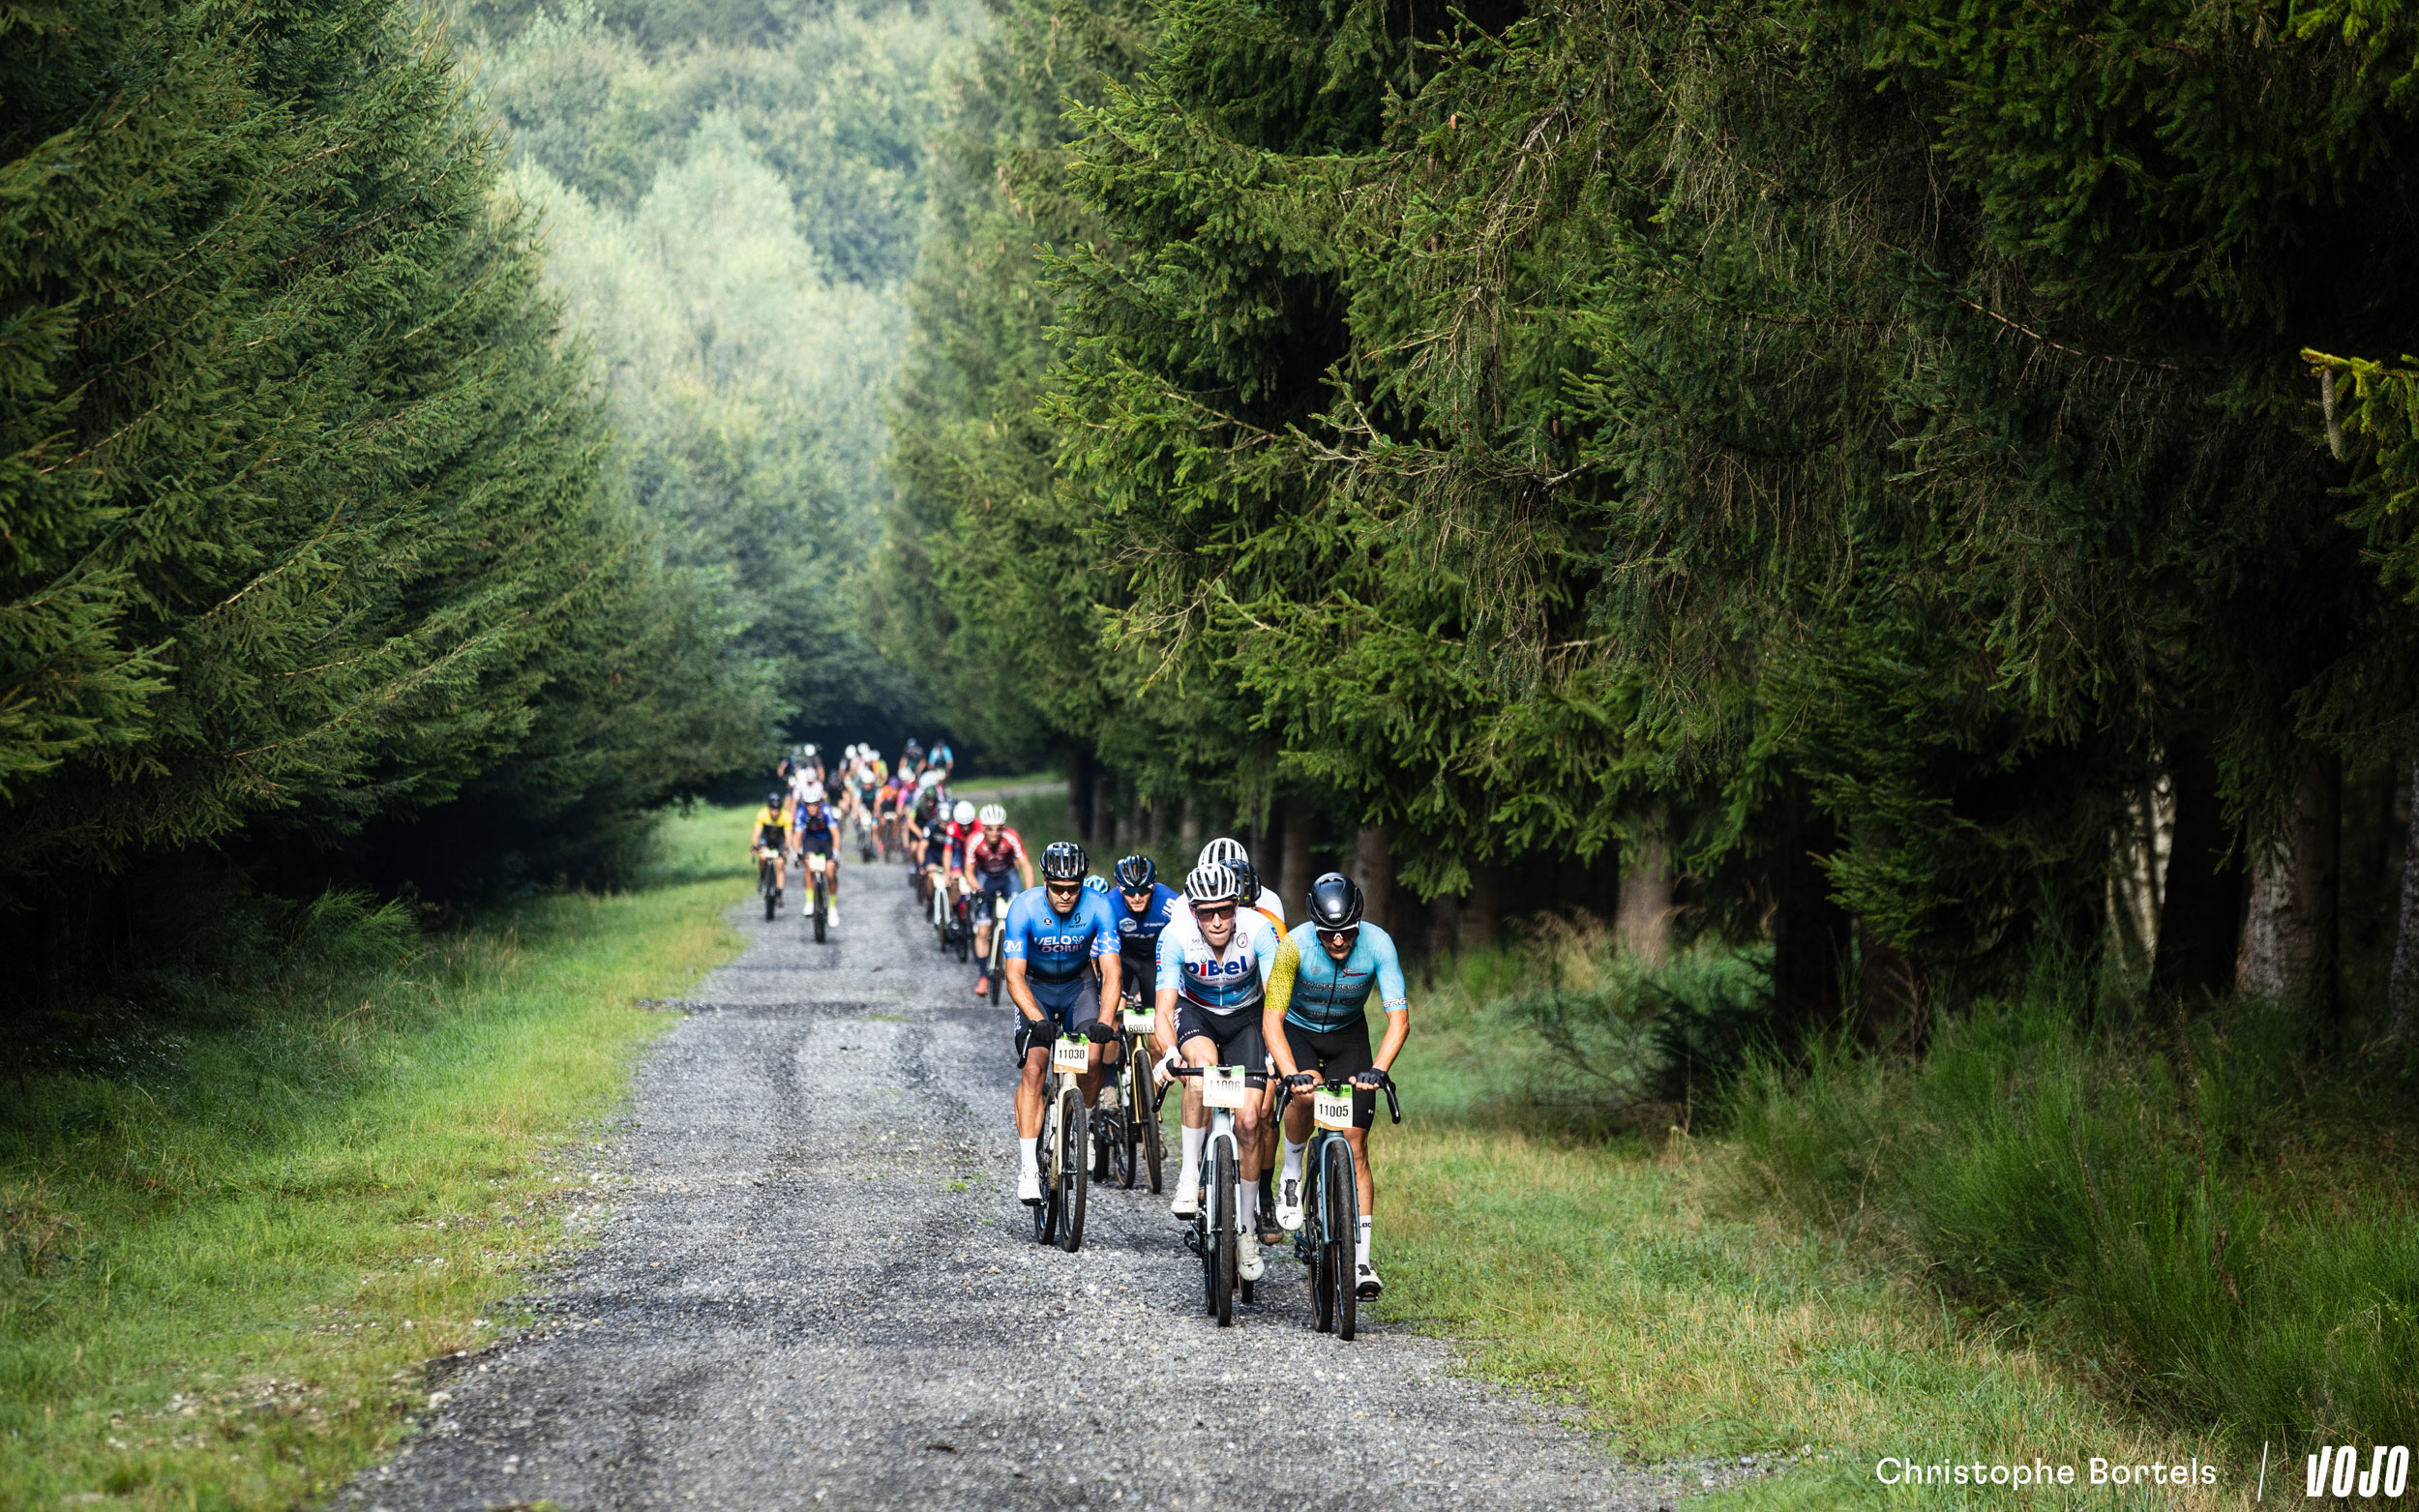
[
  {"x": 816, "y": 818},
  {"x": 1138, "y": 933},
  {"x": 1325, "y": 995},
  {"x": 1221, "y": 981},
  {"x": 996, "y": 852},
  {"x": 1268, "y": 905},
  {"x": 1058, "y": 948},
  {"x": 770, "y": 829},
  {"x": 959, "y": 835}
]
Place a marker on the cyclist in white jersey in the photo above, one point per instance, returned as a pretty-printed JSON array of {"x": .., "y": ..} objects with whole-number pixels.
[
  {"x": 1226, "y": 850},
  {"x": 1215, "y": 958}
]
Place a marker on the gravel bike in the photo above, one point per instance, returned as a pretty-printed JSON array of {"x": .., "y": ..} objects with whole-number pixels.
[
  {"x": 1328, "y": 1239},
  {"x": 1219, "y": 1223},
  {"x": 1125, "y": 1130},
  {"x": 995, "y": 964},
  {"x": 1065, "y": 1174},
  {"x": 768, "y": 879},
  {"x": 816, "y": 865}
]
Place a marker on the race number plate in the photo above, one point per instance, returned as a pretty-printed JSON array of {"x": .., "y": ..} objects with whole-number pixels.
[
  {"x": 1070, "y": 1055},
  {"x": 1145, "y": 1022},
  {"x": 1222, "y": 1086},
  {"x": 1332, "y": 1110}
]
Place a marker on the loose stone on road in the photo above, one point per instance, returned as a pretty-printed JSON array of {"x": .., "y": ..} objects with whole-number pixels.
[{"x": 817, "y": 1287}]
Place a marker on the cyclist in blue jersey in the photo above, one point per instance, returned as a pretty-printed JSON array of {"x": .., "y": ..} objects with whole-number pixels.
[
  {"x": 1216, "y": 961},
  {"x": 814, "y": 827},
  {"x": 1056, "y": 935},
  {"x": 1142, "y": 906},
  {"x": 1318, "y": 1028}
]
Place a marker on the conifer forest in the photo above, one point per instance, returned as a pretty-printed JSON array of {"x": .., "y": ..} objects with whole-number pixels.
[{"x": 1898, "y": 523}]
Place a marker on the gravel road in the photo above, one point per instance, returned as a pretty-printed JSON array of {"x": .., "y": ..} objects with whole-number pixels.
[{"x": 817, "y": 1287}]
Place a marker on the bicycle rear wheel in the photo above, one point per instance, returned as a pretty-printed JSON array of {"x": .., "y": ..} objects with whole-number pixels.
[
  {"x": 1046, "y": 1211},
  {"x": 1343, "y": 1205},
  {"x": 1147, "y": 1117},
  {"x": 1222, "y": 1236},
  {"x": 765, "y": 885},
  {"x": 820, "y": 903},
  {"x": 1074, "y": 1168}
]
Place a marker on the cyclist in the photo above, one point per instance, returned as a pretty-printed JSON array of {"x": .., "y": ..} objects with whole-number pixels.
[
  {"x": 961, "y": 831},
  {"x": 995, "y": 853},
  {"x": 932, "y": 828},
  {"x": 1229, "y": 852},
  {"x": 941, "y": 759},
  {"x": 1057, "y": 934},
  {"x": 912, "y": 759},
  {"x": 1318, "y": 1028},
  {"x": 1215, "y": 961},
  {"x": 768, "y": 839},
  {"x": 894, "y": 806},
  {"x": 815, "y": 826},
  {"x": 1142, "y": 906}
]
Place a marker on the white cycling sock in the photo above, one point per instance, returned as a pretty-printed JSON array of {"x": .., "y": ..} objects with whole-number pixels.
[
  {"x": 1031, "y": 1151},
  {"x": 1293, "y": 1154},
  {"x": 1189, "y": 1174},
  {"x": 1361, "y": 1250},
  {"x": 1248, "y": 1204}
]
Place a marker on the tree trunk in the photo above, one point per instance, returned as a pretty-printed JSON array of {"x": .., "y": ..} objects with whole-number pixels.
[
  {"x": 1642, "y": 917},
  {"x": 1373, "y": 859},
  {"x": 1188, "y": 829},
  {"x": 1079, "y": 792},
  {"x": 1296, "y": 835},
  {"x": 1889, "y": 990},
  {"x": 2401, "y": 986},
  {"x": 1104, "y": 816},
  {"x": 2288, "y": 949},
  {"x": 1443, "y": 923},
  {"x": 1483, "y": 911},
  {"x": 1809, "y": 934},
  {"x": 2200, "y": 906}
]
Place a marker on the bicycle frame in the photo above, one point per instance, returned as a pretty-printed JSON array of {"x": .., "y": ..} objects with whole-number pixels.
[{"x": 1318, "y": 1243}]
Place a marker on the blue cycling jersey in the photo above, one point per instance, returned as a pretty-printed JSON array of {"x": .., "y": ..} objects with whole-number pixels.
[
  {"x": 1138, "y": 933},
  {"x": 1056, "y": 947},
  {"x": 1329, "y": 994}
]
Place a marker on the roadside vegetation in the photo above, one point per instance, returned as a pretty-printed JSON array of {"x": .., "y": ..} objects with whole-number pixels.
[{"x": 306, "y": 1167}]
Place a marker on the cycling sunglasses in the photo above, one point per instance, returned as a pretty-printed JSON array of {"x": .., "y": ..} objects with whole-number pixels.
[
  {"x": 1224, "y": 910},
  {"x": 1342, "y": 936}
]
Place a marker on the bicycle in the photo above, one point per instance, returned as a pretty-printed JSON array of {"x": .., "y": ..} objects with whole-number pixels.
[
  {"x": 770, "y": 867},
  {"x": 1126, "y": 1127},
  {"x": 864, "y": 835},
  {"x": 1329, "y": 1238},
  {"x": 995, "y": 964},
  {"x": 1065, "y": 1175},
  {"x": 961, "y": 924},
  {"x": 815, "y": 863},
  {"x": 1217, "y": 1223}
]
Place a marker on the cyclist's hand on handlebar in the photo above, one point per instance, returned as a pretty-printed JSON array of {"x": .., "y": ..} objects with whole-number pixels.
[
  {"x": 1303, "y": 1081},
  {"x": 1372, "y": 1079}
]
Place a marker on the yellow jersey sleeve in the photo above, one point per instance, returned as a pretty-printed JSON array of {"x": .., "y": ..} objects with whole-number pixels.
[{"x": 1280, "y": 989}]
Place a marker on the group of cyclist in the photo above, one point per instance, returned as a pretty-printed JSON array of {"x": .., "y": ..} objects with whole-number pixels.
[{"x": 1228, "y": 982}]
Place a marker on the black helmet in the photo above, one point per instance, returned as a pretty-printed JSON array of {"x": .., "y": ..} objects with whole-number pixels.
[
  {"x": 1246, "y": 877},
  {"x": 1063, "y": 861},
  {"x": 1136, "y": 872},
  {"x": 772, "y": 800},
  {"x": 1335, "y": 903}
]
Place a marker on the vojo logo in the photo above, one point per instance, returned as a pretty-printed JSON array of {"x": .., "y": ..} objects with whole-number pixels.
[{"x": 2339, "y": 1473}]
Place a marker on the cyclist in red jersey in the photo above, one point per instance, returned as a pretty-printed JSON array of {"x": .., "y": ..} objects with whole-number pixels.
[{"x": 995, "y": 855}]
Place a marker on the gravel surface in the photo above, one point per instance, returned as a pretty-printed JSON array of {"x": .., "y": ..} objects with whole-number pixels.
[{"x": 818, "y": 1288}]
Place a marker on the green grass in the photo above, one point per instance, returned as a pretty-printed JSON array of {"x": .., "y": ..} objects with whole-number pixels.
[
  {"x": 1628, "y": 1286},
  {"x": 221, "y": 1278}
]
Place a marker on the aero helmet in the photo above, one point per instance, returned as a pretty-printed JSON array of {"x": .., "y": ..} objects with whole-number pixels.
[
  {"x": 1335, "y": 903},
  {"x": 1063, "y": 861},
  {"x": 1137, "y": 872}
]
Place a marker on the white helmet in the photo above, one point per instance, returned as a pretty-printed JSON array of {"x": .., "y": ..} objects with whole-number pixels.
[
  {"x": 994, "y": 814},
  {"x": 963, "y": 812},
  {"x": 813, "y": 793},
  {"x": 1223, "y": 851},
  {"x": 1212, "y": 881},
  {"x": 927, "y": 781}
]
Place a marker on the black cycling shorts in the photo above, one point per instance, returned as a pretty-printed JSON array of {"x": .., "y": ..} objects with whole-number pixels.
[
  {"x": 1001, "y": 884},
  {"x": 937, "y": 853},
  {"x": 1071, "y": 1006},
  {"x": 1337, "y": 1055},
  {"x": 1236, "y": 1034},
  {"x": 817, "y": 843}
]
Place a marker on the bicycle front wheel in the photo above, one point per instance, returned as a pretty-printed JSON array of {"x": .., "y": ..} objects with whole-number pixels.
[
  {"x": 821, "y": 903},
  {"x": 1046, "y": 1211},
  {"x": 1074, "y": 1169},
  {"x": 1343, "y": 1235},
  {"x": 1222, "y": 1237},
  {"x": 1147, "y": 1117}
]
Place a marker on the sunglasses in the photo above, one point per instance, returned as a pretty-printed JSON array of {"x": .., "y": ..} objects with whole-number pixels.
[
  {"x": 1341, "y": 937},
  {"x": 1212, "y": 915}
]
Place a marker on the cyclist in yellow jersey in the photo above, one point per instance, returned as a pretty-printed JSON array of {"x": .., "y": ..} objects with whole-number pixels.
[{"x": 769, "y": 833}]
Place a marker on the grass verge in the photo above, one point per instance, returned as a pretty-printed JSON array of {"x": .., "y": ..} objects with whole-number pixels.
[
  {"x": 223, "y": 1274},
  {"x": 1628, "y": 1287}
]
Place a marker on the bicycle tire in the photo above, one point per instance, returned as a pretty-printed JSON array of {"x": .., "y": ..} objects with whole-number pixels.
[
  {"x": 1147, "y": 1114},
  {"x": 1046, "y": 1211},
  {"x": 821, "y": 904},
  {"x": 1074, "y": 1174},
  {"x": 1315, "y": 1248},
  {"x": 763, "y": 884},
  {"x": 1344, "y": 1234},
  {"x": 1222, "y": 1237},
  {"x": 1126, "y": 1151}
]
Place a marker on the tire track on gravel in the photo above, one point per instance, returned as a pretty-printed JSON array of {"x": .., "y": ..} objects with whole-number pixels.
[{"x": 817, "y": 1288}]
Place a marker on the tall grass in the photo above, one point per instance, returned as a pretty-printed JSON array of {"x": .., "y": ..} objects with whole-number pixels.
[
  {"x": 2211, "y": 1223},
  {"x": 228, "y": 1243}
]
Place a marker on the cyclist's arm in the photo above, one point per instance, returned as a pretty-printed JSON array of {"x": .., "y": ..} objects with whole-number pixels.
[
  {"x": 1169, "y": 977},
  {"x": 1279, "y": 998},
  {"x": 1104, "y": 954},
  {"x": 1395, "y": 998},
  {"x": 1397, "y": 1030}
]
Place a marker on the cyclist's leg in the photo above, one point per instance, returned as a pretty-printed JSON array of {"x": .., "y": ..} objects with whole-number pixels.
[
  {"x": 1083, "y": 1011},
  {"x": 1032, "y": 1048},
  {"x": 1195, "y": 1047}
]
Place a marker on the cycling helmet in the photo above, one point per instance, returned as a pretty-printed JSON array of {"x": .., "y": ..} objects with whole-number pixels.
[
  {"x": 1063, "y": 861},
  {"x": 1335, "y": 903},
  {"x": 808, "y": 753},
  {"x": 928, "y": 780},
  {"x": 1095, "y": 881},
  {"x": 1212, "y": 881},
  {"x": 1224, "y": 850},
  {"x": 813, "y": 793},
  {"x": 1246, "y": 877},
  {"x": 772, "y": 800},
  {"x": 963, "y": 812},
  {"x": 1137, "y": 872},
  {"x": 994, "y": 814}
]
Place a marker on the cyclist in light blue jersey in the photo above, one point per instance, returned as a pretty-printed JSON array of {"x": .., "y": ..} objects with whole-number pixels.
[
  {"x": 1317, "y": 1026},
  {"x": 1054, "y": 937}
]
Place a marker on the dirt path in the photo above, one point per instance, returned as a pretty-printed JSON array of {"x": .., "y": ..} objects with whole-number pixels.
[{"x": 819, "y": 1288}]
